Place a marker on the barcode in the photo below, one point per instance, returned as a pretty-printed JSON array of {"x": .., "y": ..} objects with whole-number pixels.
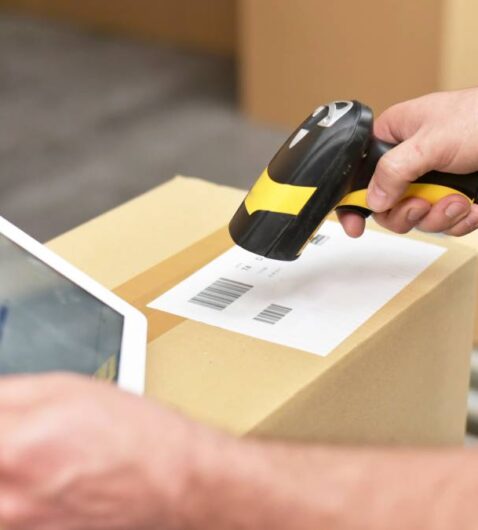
[
  {"x": 272, "y": 314},
  {"x": 319, "y": 239},
  {"x": 221, "y": 293}
]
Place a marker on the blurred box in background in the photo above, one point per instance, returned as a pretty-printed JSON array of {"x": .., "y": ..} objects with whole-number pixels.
[
  {"x": 209, "y": 25},
  {"x": 296, "y": 54}
]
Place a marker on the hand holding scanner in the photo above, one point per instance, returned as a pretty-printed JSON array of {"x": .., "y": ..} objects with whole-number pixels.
[{"x": 326, "y": 164}]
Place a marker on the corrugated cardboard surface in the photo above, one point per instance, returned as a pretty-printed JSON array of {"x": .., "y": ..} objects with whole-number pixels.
[{"x": 401, "y": 377}]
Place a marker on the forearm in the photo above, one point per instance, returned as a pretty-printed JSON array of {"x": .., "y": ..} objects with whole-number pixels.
[{"x": 251, "y": 485}]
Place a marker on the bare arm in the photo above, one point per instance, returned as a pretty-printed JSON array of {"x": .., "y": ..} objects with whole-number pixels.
[
  {"x": 252, "y": 486},
  {"x": 79, "y": 455}
]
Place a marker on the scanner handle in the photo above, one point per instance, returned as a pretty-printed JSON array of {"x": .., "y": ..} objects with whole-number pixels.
[{"x": 432, "y": 187}]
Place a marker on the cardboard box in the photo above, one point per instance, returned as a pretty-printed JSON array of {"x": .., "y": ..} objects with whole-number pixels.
[
  {"x": 297, "y": 55},
  {"x": 400, "y": 378}
]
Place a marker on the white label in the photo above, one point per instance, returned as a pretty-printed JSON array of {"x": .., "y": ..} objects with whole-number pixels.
[{"x": 311, "y": 304}]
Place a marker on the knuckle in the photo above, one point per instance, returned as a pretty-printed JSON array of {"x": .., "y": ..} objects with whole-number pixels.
[
  {"x": 426, "y": 225},
  {"x": 433, "y": 226},
  {"x": 400, "y": 228},
  {"x": 461, "y": 233},
  {"x": 381, "y": 219},
  {"x": 464, "y": 229},
  {"x": 394, "y": 223},
  {"x": 390, "y": 167},
  {"x": 417, "y": 149},
  {"x": 458, "y": 232}
]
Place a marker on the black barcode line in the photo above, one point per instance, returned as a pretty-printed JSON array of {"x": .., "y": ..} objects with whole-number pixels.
[
  {"x": 273, "y": 313},
  {"x": 221, "y": 294},
  {"x": 319, "y": 239}
]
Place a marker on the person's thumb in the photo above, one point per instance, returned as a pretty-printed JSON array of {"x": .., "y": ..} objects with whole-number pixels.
[{"x": 396, "y": 169}]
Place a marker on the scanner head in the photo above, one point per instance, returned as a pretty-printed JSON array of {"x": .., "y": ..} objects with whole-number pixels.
[{"x": 307, "y": 178}]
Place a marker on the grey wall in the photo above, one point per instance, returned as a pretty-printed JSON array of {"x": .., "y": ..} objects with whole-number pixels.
[{"x": 87, "y": 122}]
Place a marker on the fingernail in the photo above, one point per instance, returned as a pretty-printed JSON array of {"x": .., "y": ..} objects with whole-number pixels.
[
  {"x": 455, "y": 209},
  {"x": 415, "y": 214},
  {"x": 377, "y": 198}
]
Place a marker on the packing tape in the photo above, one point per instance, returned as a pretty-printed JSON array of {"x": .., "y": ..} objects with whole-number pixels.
[{"x": 142, "y": 289}]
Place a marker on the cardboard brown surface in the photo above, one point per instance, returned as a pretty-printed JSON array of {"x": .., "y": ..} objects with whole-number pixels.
[
  {"x": 401, "y": 378},
  {"x": 298, "y": 55},
  {"x": 207, "y": 25},
  {"x": 139, "y": 234}
]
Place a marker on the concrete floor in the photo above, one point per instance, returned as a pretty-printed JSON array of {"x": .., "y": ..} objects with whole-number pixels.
[{"x": 88, "y": 122}]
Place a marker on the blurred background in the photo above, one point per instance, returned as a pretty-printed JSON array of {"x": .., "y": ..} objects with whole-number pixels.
[{"x": 101, "y": 101}]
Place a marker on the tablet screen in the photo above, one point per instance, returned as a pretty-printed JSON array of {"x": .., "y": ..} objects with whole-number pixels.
[{"x": 48, "y": 323}]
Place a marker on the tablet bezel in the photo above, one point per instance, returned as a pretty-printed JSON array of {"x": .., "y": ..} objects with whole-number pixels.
[{"x": 131, "y": 372}]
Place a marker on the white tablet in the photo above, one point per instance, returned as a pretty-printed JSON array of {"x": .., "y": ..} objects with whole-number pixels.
[{"x": 53, "y": 317}]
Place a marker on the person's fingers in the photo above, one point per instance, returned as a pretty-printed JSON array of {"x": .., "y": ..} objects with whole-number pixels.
[
  {"x": 445, "y": 214},
  {"x": 352, "y": 223},
  {"x": 466, "y": 225},
  {"x": 383, "y": 128},
  {"x": 396, "y": 170},
  {"x": 27, "y": 390},
  {"x": 404, "y": 216},
  {"x": 398, "y": 122}
]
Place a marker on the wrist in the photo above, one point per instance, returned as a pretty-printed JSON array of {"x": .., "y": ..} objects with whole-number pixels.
[
  {"x": 211, "y": 467},
  {"x": 229, "y": 486},
  {"x": 184, "y": 464}
]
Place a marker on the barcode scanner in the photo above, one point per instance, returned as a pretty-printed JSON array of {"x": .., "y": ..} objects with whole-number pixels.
[{"x": 326, "y": 164}]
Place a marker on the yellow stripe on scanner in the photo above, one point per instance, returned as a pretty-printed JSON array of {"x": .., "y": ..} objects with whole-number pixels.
[
  {"x": 431, "y": 193},
  {"x": 271, "y": 196}
]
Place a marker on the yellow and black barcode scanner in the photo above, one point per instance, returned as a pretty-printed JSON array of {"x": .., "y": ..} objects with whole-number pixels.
[{"x": 326, "y": 164}]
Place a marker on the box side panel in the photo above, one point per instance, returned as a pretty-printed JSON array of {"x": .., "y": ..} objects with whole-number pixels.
[
  {"x": 407, "y": 385},
  {"x": 222, "y": 378}
]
